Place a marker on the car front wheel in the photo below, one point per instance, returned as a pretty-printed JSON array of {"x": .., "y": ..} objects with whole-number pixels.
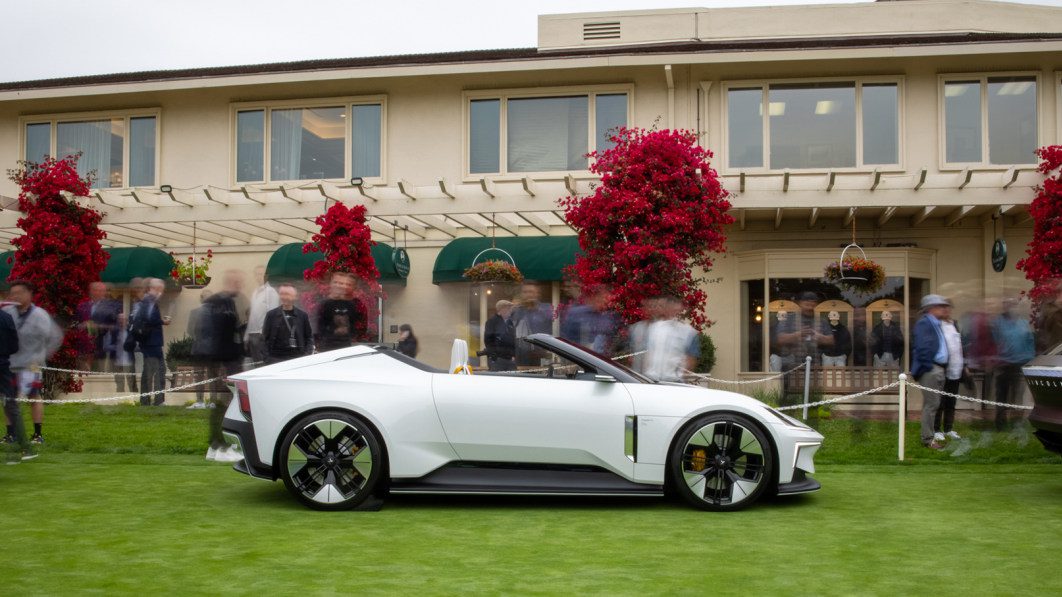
[
  {"x": 330, "y": 460},
  {"x": 721, "y": 462}
]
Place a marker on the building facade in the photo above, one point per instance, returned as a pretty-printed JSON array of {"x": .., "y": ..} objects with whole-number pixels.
[{"x": 908, "y": 125}]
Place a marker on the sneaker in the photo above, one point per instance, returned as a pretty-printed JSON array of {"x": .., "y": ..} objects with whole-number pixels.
[
  {"x": 935, "y": 445},
  {"x": 230, "y": 454},
  {"x": 953, "y": 435},
  {"x": 938, "y": 437},
  {"x": 7, "y": 439},
  {"x": 197, "y": 406},
  {"x": 212, "y": 454},
  {"x": 37, "y": 439}
]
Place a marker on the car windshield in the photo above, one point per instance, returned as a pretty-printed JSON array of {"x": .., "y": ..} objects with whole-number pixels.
[{"x": 641, "y": 378}]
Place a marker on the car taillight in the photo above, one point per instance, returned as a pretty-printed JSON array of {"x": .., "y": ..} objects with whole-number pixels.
[{"x": 243, "y": 395}]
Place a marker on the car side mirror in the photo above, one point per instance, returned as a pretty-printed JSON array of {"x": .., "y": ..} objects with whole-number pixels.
[{"x": 604, "y": 377}]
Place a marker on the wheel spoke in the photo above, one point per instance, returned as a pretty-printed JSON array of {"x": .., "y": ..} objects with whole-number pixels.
[
  {"x": 723, "y": 462},
  {"x": 329, "y": 461}
]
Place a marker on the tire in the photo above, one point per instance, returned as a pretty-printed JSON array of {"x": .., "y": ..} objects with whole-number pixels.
[
  {"x": 721, "y": 462},
  {"x": 331, "y": 460}
]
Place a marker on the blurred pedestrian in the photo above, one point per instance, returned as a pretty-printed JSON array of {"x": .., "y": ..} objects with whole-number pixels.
[
  {"x": 263, "y": 300},
  {"x": 499, "y": 337},
  {"x": 531, "y": 316},
  {"x": 929, "y": 358},
  {"x": 1014, "y": 341},
  {"x": 638, "y": 332},
  {"x": 954, "y": 373},
  {"x": 218, "y": 344},
  {"x": 38, "y": 339},
  {"x": 146, "y": 323},
  {"x": 15, "y": 439},
  {"x": 591, "y": 324},
  {"x": 97, "y": 316},
  {"x": 124, "y": 360},
  {"x": 407, "y": 341},
  {"x": 341, "y": 318},
  {"x": 672, "y": 346},
  {"x": 201, "y": 365},
  {"x": 286, "y": 329}
]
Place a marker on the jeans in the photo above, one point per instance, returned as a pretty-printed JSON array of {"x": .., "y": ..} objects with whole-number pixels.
[
  {"x": 123, "y": 375},
  {"x": 153, "y": 379},
  {"x": 885, "y": 359},
  {"x": 8, "y": 393},
  {"x": 1008, "y": 388},
  {"x": 933, "y": 379},
  {"x": 945, "y": 416},
  {"x": 221, "y": 397}
]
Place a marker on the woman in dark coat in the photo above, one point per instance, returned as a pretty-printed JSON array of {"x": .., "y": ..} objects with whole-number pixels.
[{"x": 407, "y": 342}]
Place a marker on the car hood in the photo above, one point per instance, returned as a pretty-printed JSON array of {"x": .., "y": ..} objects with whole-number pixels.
[
  {"x": 306, "y": 361},
  {"x": 680, "y": 400}
]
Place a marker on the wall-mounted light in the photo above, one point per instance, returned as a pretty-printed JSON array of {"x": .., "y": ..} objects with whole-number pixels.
[
  {"x": 356, "y": 181},
  {"x": 166, "y": 188}
]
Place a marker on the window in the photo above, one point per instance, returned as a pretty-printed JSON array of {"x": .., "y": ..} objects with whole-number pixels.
[
  {"x": 541, "y": 133},
  {"x": 117, "y": 151},
  {"x": 990, "y": 120},
  {"x": 326, "y": 141},
  {"x": 814, "y": 125}
]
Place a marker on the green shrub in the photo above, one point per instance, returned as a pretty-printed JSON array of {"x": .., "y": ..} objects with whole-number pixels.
[{"x": 707, "y": 359}]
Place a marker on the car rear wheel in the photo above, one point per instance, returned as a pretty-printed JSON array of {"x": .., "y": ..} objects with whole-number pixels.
[
  {"x": 330, "y": 460},
  {"x": 721, "y": 462}
]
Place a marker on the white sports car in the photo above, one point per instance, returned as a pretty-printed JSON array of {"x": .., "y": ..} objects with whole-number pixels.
[{"x": 340, "y": 426}]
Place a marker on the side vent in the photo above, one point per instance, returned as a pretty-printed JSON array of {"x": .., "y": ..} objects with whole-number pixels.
[{"x": 597, "y": 31}]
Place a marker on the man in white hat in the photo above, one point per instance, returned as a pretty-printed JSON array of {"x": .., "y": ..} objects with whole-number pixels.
[{"x": 929, "y": 359}]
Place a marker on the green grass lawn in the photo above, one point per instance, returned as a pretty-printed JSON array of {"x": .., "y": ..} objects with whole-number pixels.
[{"x": 121, "y": 502}]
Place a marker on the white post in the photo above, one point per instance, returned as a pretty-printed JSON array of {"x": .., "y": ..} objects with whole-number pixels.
[
  {"x": 902, "y": 415},
  {"x": 807, "y": 384}
]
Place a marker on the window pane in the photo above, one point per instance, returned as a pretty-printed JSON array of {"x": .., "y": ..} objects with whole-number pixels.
[
  {"x": 484, "y": 137},
  {"x": 812, "y": 126},
  {"x": 744, "y": 118},
  {"x": 306, "y": 143},
  {"x": 962, "y": 121},
  {"x": 365, "y": 145},
  {"x": 100, "y": 143},
  {"x": 142, "y": 152},
  {"x": 38, "y": 141},
  {"x": 1012, "y": 120},
  {"x": 881, "y": 124},
  {"x": 250, "y": 146},
  {"x": 547, "y": 134},
  {"x": 610, "y": 115}
]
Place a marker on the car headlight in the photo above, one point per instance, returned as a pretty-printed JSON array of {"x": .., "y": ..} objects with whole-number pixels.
[{"x": 787, "y": 419}]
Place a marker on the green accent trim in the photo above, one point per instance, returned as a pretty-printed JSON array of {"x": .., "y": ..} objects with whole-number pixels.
[
  {"x": 289, "y": 262},
  {"x": 540, "y": 258}
]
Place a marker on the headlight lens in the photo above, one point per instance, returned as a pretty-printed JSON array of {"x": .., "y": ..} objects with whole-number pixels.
[{"x": 787, "y": 419}]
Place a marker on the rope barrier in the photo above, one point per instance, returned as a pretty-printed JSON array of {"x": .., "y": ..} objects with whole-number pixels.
[
  {"x": 125, "y": 397},
  {"x": 969, "y": 398},
  {"x": 840, "y": 398},
  {"x": 743, "y": 381}
]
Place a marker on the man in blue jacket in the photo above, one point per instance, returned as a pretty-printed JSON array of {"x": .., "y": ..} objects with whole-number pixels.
[{"x": 929, "y": 357}]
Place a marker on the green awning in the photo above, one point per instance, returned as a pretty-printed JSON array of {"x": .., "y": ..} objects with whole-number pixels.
[
  {"x": 540, "y": 258},
  {"x": 289, "y": 262},
  {"x": 127, "y": 263},
  {"x": 124, "y": 264}
]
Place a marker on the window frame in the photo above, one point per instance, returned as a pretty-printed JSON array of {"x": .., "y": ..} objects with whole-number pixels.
[
  {"x": 982, "y": 78},
  {"x": 858, "y": 82},
  {"x": 55, "y": 119},
  {"x": 504, "y": 95},
  {"x": 345, "y": 102}
]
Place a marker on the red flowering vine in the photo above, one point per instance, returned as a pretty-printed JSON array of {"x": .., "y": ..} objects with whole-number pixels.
[
  {"x": 59, "y": 253},
  {"x": 345, "y": 241},
  {"x": 1043, "y": 266},
  {"x": 658, "y": 212}
]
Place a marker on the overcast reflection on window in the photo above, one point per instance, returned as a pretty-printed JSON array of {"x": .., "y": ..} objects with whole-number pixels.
[
  {"x": 250, "y": 145},
  {"x": 484, "y": 136},
  {"x": 366, "y": 133},
  {"x": 745, "y": 128},
  {"x": 547, "y": 134},
  {"x": 881, "y": 124},
  {"x": 142, "y": 151},
  {"x": 1012, "y": 120},
  {"x": 38, "y": 141},
  {"x": 813, "y": 126},
  {"x": 610, "y": 115},
  {"x": 306, "y": 143},
  {"x": 100, "y": 143},
  {"x": 962, "y": 121}
]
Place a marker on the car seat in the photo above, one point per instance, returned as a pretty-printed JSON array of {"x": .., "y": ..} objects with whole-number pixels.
[{"x": 459, "y": 358}]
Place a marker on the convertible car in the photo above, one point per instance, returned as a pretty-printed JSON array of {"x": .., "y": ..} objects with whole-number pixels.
[{"x": 340, "y": 426}]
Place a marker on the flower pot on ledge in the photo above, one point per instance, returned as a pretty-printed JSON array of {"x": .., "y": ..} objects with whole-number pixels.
[{"x": 188, "y": 282}]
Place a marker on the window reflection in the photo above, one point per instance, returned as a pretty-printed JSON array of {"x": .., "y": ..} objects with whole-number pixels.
[
  {"x": 1012, "y": 120},
  {"x": 962, "y": 121},
  {"x": 812, "y": 126},
  {"x": 547, "y": 134},
  {"x": 38, "y": 141},
  {"x": 307, "y": 143},
  {"x": 745, "y": 128},
  {"x": 100, "y": 143},
  {"x": 881, "y": 124}
]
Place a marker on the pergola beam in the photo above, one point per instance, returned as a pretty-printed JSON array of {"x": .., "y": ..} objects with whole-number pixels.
[
  {"x": 469, "y": 223},
  {"x": 886, "y": 215},
  {"x": 958, "y": 215},
  {"x": 814, "y": 217},
  {"x": 922, "y": 214}
]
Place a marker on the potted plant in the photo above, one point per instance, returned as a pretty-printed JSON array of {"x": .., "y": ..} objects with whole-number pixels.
[
  {"x": 192, "y": 273},
  {"x": 857, "y": 274},
  {"x": 494, "y": 271}
]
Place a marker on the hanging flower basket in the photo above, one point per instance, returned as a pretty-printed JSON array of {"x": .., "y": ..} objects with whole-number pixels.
[
  {"x": 857, "y": 274},
  {"x": 193, "y": 272},
  {"x": 494, "y": 271}
]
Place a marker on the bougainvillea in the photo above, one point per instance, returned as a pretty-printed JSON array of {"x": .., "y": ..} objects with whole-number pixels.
[
  {"x": 345, "y": 241},
  {"x": 658, "y": 213},
  {"x": 59, "y": 253},
  {"x": 1043, "y": 266}
]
